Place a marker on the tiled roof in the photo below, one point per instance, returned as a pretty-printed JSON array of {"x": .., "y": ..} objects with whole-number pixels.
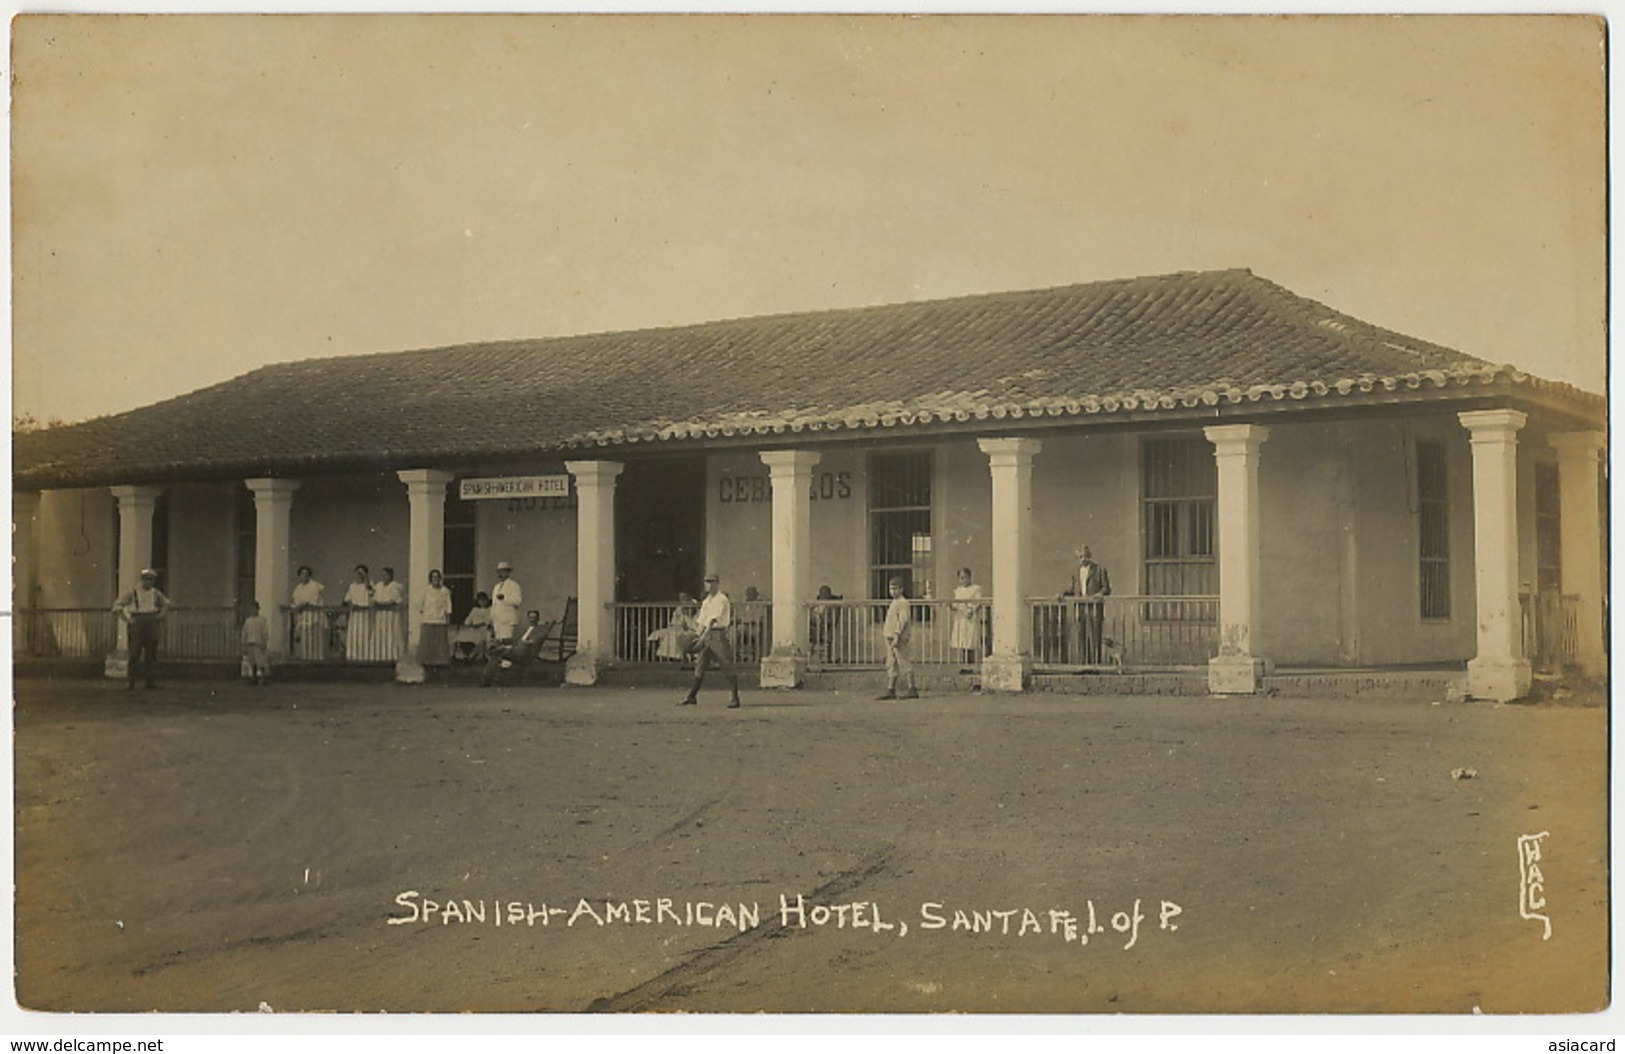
[{"x": 1083, "y": 351}]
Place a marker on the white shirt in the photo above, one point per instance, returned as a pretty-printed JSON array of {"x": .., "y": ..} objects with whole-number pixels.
[
  {"x": 716, "y": 610},
  {"x": 507, "y": 593},
  {"x": 435, "y": 605},
  {"x": 142, "y": 600},
  {"x": 307, "y": 593}
]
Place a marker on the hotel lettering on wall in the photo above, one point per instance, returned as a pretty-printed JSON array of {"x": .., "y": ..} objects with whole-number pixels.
[
  {"x": 522, "y": 493},
  {"x": 740, "y": 490}
]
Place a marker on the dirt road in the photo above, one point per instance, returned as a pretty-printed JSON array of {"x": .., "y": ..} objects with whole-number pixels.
[{"x": 216, "y": 847}]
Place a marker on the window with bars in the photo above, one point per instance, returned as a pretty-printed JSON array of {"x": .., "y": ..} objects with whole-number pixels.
[
  {"x": 900, "y": 541},
  {"x": 457, "y": 555},
  {"x": 1548, "y": 528},
  {"x": 1433, "y": 527},
  {"x": 1179, "y": 484}
]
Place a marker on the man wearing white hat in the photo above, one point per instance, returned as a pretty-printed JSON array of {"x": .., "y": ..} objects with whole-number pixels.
[
  {"x": 506, "y": 597},
  {"x": 142, "y": 610}
]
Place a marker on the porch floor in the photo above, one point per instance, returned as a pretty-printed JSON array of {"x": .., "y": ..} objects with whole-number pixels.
[{"x": 1423, "y": 682}]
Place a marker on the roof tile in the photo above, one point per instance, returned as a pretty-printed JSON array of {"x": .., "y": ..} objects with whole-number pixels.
[{"x": 1155, "y": 343}]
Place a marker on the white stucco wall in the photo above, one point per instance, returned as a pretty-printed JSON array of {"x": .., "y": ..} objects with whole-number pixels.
[
  {"x": 538, "y": 537},
  {"x": 75, "y": 562},
  {"x": 1338, "y": 532}
]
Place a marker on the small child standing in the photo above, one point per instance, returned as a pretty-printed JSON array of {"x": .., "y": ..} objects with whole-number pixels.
[
  {"x": 256, "y": 645},
  {"x": 897, "y": 631}
]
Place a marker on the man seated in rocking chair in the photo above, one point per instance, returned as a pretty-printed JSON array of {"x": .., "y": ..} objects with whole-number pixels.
[{"x": 507, "y": 656}]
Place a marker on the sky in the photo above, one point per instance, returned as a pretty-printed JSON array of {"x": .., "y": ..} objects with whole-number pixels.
[{"x": 196, "y": 196}]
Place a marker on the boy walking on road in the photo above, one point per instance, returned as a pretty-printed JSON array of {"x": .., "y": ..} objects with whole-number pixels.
[{"x": 897, "y": 631}]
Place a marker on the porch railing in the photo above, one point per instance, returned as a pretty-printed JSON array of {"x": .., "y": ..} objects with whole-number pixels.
[
  {"x": 651, "y": 632},
  {"x": 65, "y": 633},
  {"x": 1121, "y": 631},
  {"x": 1550, "y": 629},
  {"x": 87, "y": 633},
  {"x": 1125, "y": 631},
  {"x": 850, "y": 633},
  {"x": 1133, "y": 631},
  {"x": 341, "y": 634}
]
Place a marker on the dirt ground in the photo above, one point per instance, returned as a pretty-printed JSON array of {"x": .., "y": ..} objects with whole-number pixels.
[{"x": 216, "y": 847}]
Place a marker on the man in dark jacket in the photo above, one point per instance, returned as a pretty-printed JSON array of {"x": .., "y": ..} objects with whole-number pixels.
[
  {"x": 1092, "y": 585},
  {"x": 515, "y": 655}
]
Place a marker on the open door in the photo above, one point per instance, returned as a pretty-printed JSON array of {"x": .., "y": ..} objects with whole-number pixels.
[{"x": 659, "y": 529}]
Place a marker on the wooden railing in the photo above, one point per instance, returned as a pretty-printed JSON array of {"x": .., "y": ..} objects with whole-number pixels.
[
  {"x": 341, "y": 634},
  {"x": 850, "y": 633},
  {"x": 87, "y": 633},
  {"x": 1550, "y": 629},
  {"x": 651, "y": 632},
  {"x": 1119, "y": 632},
  {"x": 213, "y": 633},
  {"x": 1133, "y": 632},
  {"x": 65, "y": 633},
  {"x": 1125, "y": 631}
]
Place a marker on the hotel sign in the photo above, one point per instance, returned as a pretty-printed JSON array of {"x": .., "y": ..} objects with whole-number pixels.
[{"x": 514, "y": 487}]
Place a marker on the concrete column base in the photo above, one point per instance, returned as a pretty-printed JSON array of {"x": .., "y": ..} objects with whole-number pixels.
[
  {"x": 1499, "y": 681},
  {"x": 1006, "y": 673},
  {"x": 409, "y": 671},
  {"x": 1235, "y": 675},
  {"x": 783, "y": 670},
  {"x": 583, "y": 668}
]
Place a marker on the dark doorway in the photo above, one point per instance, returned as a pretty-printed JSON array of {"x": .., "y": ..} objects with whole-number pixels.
[{"x": 659, "y": 529}]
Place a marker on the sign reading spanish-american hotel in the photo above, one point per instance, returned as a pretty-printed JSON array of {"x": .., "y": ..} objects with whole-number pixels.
[{"x": 514, "y": 487}]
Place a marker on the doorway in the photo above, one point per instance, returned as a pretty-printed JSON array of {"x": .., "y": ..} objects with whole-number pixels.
[{"x": 659, "y": 529}]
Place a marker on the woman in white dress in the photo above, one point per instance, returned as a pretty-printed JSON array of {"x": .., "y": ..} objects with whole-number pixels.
[
  {"x": 309, "y": 620},
  {"x": 434, "y": 617},
  {"x": 358, "y": 624},
  {"x": 965, "y": 638},
  {"x": 388, "y": 605}
]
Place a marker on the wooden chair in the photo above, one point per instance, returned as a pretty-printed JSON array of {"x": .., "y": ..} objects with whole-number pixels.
[{"x": 560, "y": 642}]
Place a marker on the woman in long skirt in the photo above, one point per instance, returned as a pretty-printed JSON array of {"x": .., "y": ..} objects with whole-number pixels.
[
  {"x": 358, "y": 623},
  {"x": 434, "y": 616},
  {"x": 389, "y": 625},
  {"x": 309, "y": 620}
]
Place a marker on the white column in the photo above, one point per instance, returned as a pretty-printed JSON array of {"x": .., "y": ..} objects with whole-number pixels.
[
  {"x": 1577, "y": 469},
  {"x": 1011, "y": 463},
  {"x": 1499, "y": 671},
  {"x": 1238, "y": 668},
  {"x": 786, "y": 666},
  {"x": 135, "y": 505},
  {"x": 595, "y": 568},
  {"x": 273, "y": 505},
  {"x": 426, "y": 547}
]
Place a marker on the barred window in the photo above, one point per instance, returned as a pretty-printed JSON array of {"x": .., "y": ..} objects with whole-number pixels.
[
  {"x": 1433, "y": 527},
  {"x": 1548, "y": 528},
  {"x": 900, "y": 522},
  {"x": 457, "y": 555},
  {"x": 1178, "y": 488}
]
